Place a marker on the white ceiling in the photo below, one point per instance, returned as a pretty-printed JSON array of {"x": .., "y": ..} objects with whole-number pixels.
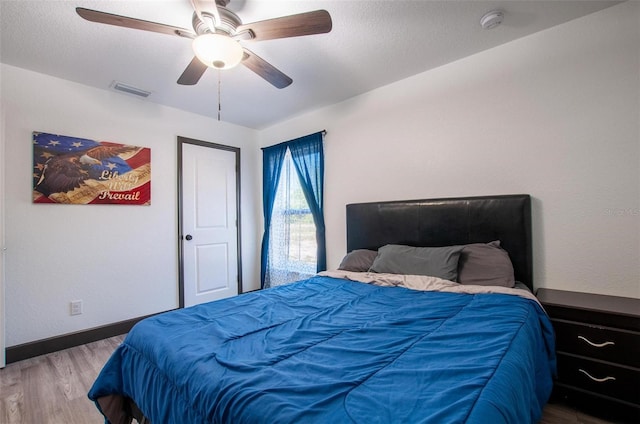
[{"x": 373, "y": 43}]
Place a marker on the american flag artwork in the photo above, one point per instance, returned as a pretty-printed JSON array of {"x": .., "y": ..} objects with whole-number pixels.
[{"x": 76, "y": 170}]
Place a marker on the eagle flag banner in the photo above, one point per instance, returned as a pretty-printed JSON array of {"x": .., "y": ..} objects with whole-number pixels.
[{"x": 76, "y": 170}]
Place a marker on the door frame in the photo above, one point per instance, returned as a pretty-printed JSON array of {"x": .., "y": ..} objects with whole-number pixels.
[{"x": 236, "y": 150}]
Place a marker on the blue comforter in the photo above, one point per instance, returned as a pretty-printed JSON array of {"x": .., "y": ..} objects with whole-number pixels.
[{"x": 330, "y": 351}]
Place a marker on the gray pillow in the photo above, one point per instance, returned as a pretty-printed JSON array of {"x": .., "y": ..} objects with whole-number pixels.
[
  {"x": 441, "y": 262},
  {"x": 486, "y": 265},
  {"x": 359, "y": 260}
]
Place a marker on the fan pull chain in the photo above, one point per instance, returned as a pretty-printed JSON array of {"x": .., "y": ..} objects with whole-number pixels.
[{"x": 219, "y": 107}]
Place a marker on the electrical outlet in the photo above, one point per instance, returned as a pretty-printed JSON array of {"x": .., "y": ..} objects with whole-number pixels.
[{"x": 76, "y": 307}]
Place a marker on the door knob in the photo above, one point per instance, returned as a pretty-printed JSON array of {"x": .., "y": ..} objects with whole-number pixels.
[{"x": 188, "y": 237}]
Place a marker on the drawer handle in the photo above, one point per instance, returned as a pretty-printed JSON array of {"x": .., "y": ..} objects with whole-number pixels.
[
  {"x": 596, "y": 344},
  {"x": 599, "y": 380}
]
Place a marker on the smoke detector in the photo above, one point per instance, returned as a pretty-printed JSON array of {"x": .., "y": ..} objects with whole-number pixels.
[{"x": 491, "y": 19}]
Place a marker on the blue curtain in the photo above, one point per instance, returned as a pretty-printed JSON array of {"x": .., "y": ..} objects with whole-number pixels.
[
  {"x": 308, "y": 157},
  {"x": 272, "y": 159}
]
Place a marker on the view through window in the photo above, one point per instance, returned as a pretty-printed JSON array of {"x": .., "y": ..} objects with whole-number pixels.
[{"x": 293, "y": 243}]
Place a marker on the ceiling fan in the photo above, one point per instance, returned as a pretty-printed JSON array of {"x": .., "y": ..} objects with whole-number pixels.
[{"x": 217, "y": 32}]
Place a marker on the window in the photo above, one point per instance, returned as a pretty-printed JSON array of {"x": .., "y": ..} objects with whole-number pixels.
[
  {"x": 293, "y": 244},
  {"x": 293, "y": 249}
]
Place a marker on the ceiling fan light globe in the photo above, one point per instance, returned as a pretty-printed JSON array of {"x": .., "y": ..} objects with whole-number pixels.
[{"x": 217, "y": 51}]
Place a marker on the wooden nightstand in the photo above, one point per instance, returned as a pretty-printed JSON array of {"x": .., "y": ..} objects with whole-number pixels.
[{"x": 598, "y": 350}]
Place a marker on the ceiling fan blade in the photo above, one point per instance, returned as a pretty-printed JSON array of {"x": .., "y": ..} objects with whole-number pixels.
[
  {"x": 265, "y": 70},
  {"x": 309, "y": 23},
  {"x": 192, "y": 74},
  {"x": 124, "y": 21}
]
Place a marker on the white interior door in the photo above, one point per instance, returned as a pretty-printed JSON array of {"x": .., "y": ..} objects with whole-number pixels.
[{"x": 209, "y": 237}]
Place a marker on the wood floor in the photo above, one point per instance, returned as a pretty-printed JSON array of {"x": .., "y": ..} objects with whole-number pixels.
[{"x": 52, "y": 389}]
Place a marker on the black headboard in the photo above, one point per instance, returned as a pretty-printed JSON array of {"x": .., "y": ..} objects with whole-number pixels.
[{"x": 447, "y": 222}]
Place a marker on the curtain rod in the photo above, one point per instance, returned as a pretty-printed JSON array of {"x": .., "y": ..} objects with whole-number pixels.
[{"x": 323, "y": 132}]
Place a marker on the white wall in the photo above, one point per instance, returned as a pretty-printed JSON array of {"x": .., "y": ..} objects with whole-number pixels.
[
  {"x": 120, "y": 260},
  {"x": 2, "y": 302},
  {"x": 554, "y": 115}
]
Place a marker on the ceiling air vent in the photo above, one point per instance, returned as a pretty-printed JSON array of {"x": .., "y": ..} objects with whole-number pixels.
[{"x": 124, "y": 88}]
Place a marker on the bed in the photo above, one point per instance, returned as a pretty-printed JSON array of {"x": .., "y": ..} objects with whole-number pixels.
[{"x": 356, "y": 346}]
